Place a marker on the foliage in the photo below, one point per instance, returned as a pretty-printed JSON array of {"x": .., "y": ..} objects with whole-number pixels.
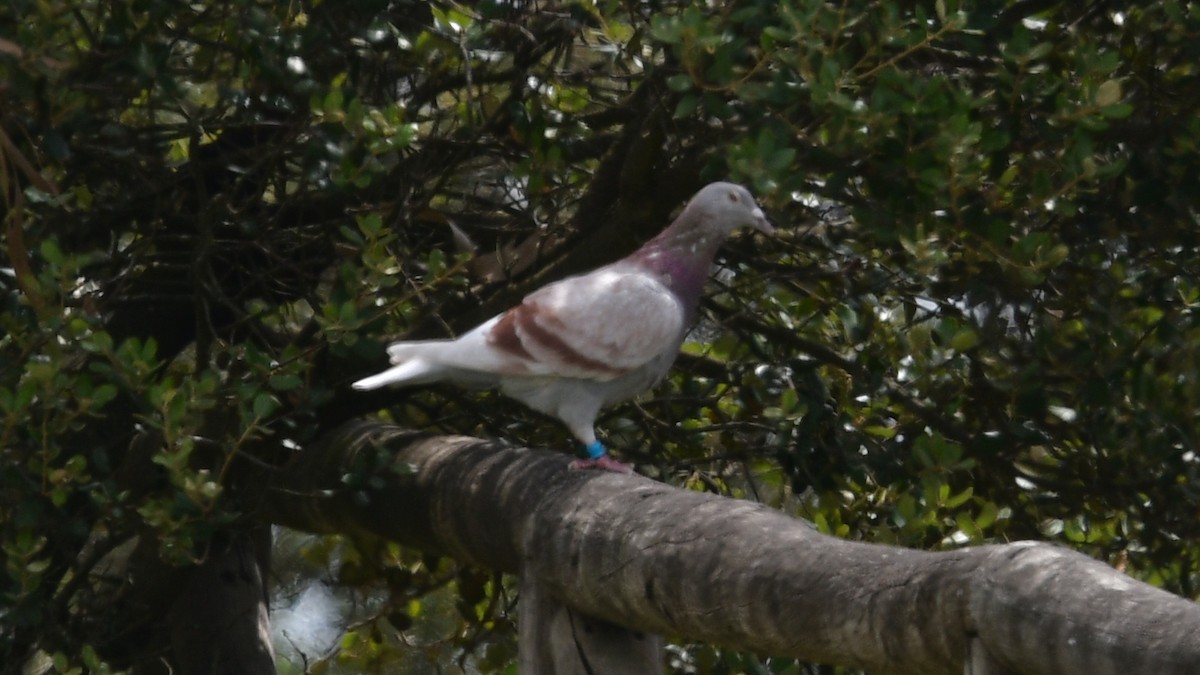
[{"x": 980, "y": 321}]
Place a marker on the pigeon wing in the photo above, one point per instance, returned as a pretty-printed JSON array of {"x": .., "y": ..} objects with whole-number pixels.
[{"x": 598, "y": 326}]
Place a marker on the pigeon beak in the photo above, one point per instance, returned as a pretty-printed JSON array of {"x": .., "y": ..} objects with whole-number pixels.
[{"x": 761, "y": 224}]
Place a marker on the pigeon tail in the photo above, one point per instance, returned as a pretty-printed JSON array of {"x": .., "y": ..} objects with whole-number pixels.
[{"x": 409, "y": 372}]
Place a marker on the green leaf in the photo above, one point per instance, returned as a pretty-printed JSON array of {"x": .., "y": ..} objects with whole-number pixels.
[
  {"x": 680, "y": 83},
  {"x": 1108, "y": 93},
  {"x": 966, "y": 524},
  {"x": 987, "y": 516},
  {"x": 285, "y": 382},
  {"x": 965, "y": 339},
  {"x": 1117, "y": 110},
  {"x": 51, "y": 253},
  {"x": 960, "y": 498},
  {"x": 880, "y": 431},
  {"x": 103, "y": 394},
  {"x": 436, "y": 263},
  {"x": 97, "y": 342},
  {"x": 264, "y": 405},
  {"x": 688, "y": 103},
  {"x": 370, "y": 224}
]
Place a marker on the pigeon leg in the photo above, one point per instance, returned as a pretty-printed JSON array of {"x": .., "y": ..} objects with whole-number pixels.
[
  {"x": 598, "y": 458},
  {"x": 603, "y": 462},
  {"x": 579, "y": 412}
]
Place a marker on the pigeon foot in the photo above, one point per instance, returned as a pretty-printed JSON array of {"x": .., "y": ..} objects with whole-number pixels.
[{"x": 603, "y": 462}]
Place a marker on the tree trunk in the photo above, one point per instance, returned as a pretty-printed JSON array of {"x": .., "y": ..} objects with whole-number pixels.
[
  {"x": 153, "y": 617},
  {"x": 655, "y": 559},
  {"x": 219, "y": 622},
  {"x": 556, "y": 640}
]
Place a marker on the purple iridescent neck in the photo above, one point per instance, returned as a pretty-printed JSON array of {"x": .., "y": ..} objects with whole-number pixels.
[{"x": 683, "y": 254}]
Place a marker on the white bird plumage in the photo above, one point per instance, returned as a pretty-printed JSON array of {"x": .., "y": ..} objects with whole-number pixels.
[{"x": 585, "y": 342}]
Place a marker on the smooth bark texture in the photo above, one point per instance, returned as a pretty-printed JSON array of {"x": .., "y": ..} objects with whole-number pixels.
[{"x": 660, "y": 560}]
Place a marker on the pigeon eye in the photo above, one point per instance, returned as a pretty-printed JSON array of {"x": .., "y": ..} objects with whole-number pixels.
[{"x": 733, "y": 197}]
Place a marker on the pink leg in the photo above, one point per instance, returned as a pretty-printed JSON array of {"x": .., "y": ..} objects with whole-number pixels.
[{"x": 603, "y": 462}]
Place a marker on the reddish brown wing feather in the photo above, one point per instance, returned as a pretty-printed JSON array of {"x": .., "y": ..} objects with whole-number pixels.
[
  {"x": 598, "y": 326},
  {"x": 530, "y": 322},
  {"x": 504, "y": 334}
]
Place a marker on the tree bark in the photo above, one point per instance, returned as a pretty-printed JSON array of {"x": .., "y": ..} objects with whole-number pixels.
[
  {"x": 555, "y": 639},
  {"x": 149, "y": 616},
  {"x": 219, "y": 623},
  {"x": 655, "y": 559}
]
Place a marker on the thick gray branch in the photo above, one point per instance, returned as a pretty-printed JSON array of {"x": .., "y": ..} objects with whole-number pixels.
[{"x": 654, "y": 558}]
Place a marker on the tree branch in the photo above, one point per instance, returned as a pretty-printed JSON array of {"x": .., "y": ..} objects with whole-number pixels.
[{"x": 654, "y": 558}]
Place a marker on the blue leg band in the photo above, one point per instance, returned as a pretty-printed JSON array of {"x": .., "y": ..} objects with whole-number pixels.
[{"x": 596, "y": 450}]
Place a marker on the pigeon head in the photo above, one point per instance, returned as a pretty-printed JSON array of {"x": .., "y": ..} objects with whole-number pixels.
[
  {"x": 683, "y": 253},
  {"x": 712, "y": 214},
  {"x": 726, "y": 207},
  {"x": 708, "y": 219}
]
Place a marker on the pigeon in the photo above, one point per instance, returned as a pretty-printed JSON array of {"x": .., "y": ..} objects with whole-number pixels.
[{"x": 586, "y": 342}]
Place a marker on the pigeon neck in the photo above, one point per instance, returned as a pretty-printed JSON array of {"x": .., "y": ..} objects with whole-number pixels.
[{"x": 683, "y": 254}]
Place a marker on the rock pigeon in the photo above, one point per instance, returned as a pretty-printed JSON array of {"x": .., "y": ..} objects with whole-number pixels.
[{"x": 586, "y": 342}]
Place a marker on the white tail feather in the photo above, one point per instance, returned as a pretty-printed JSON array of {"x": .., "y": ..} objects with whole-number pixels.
[
  {"x": 468, "y": 360},
  {"x": 409, "y": 372},
  {"x": 403, "y": 352}
]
